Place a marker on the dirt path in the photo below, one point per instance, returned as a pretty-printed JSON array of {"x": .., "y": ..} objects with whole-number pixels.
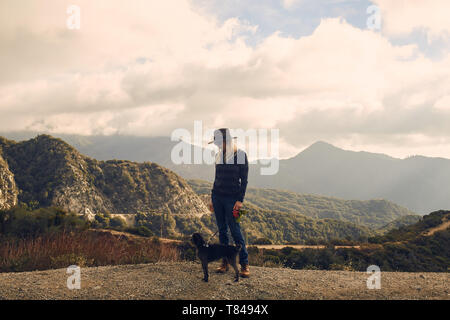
[
  {"x": 133, "y": 236},
  {"x": 260, "y": 246},
  {"x": 298, "y": 246},
  {"x": 183, "y": 281},
  {"x": 444, "y": 225}
]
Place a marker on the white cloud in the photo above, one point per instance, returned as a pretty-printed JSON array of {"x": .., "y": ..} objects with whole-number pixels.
[
  {"x": 148, "y": 67},
  {"x": 290, "y": 3},
  {"x": 402, "y": 17},
  {"x": 443, "y": 104}
]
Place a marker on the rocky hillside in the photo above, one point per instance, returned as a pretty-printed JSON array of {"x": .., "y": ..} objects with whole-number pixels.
[
  {"x": 8, "y": 189},
  {"x": 49, "y": 172}
]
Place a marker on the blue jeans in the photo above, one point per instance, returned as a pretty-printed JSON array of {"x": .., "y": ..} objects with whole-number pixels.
[{"x": 223, "y": 210}]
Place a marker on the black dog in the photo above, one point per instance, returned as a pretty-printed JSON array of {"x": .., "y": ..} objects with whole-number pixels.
[{"x": 214, "y": 252}]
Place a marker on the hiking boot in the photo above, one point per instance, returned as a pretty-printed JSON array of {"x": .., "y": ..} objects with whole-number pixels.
[
  {"x": 245, "y": 271},
  {"x": 223, "y": 267}
]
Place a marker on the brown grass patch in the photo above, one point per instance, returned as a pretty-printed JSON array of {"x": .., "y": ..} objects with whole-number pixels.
[{"x": 87, "y": 248}]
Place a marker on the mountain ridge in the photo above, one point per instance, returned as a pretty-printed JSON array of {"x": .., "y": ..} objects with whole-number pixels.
[
  {"x": 375, "y": 213},
  {"x": 50, "y": 172},
  {"x": 323, "y": 146},
  {"x": 416, "y": 182},
  {"x": 80, "y": 141}
]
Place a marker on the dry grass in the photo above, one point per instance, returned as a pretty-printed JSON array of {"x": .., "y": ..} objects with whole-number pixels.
[{"x": 87, "y": 248}]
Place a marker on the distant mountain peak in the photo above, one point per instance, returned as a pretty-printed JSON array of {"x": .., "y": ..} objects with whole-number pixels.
[
  {"x": 47, "y": 137},
  {"x": 319, "y": 147},
  {"x": 322, "y": 144},
  {"x": 322, "y": 148}
]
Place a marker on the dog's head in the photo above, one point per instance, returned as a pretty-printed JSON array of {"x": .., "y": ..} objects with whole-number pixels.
[{"x": 198, "y": 240}]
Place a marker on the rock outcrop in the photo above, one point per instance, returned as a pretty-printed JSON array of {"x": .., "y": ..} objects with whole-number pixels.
[
  {"x": 8, "y": 189},
  {"x": 53, "y": 173}
]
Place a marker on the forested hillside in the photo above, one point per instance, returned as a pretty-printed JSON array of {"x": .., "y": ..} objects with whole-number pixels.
[{"x": 371, "y": 213}]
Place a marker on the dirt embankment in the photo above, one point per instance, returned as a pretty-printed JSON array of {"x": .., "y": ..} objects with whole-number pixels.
[{"x": 183, "y": 281}]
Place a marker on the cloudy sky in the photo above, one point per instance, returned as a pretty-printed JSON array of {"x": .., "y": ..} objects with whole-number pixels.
[{"x": 310, "y": 68}]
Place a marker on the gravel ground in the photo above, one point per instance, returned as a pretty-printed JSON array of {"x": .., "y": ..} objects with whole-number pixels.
[{"x": 183, "y": 281}]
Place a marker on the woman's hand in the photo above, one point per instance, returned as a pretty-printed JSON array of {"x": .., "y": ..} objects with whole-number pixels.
[{"x": 237, "y": 206}]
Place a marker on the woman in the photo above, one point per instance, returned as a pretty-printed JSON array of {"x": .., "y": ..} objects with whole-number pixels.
[{"x": 228, "y": 193}]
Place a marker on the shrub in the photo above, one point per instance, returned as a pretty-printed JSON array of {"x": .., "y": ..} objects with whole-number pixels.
[
  {"x": 102, "y": 220},
  {"x": 187, "y": 250},
  {"x": 144, "y": 231},
  {"x": 117, "y": 223},
  {"x": 262, "y": 241},
  {"x": 22, "y": 222}
]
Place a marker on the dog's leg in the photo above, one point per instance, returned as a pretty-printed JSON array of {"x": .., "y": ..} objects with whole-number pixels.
[
  {"x": 232, "y": 261},
  {"x": 205, "y": 270}
]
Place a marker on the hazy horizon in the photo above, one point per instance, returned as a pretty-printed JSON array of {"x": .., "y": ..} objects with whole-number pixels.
[{"x": 21, "y": 136}]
